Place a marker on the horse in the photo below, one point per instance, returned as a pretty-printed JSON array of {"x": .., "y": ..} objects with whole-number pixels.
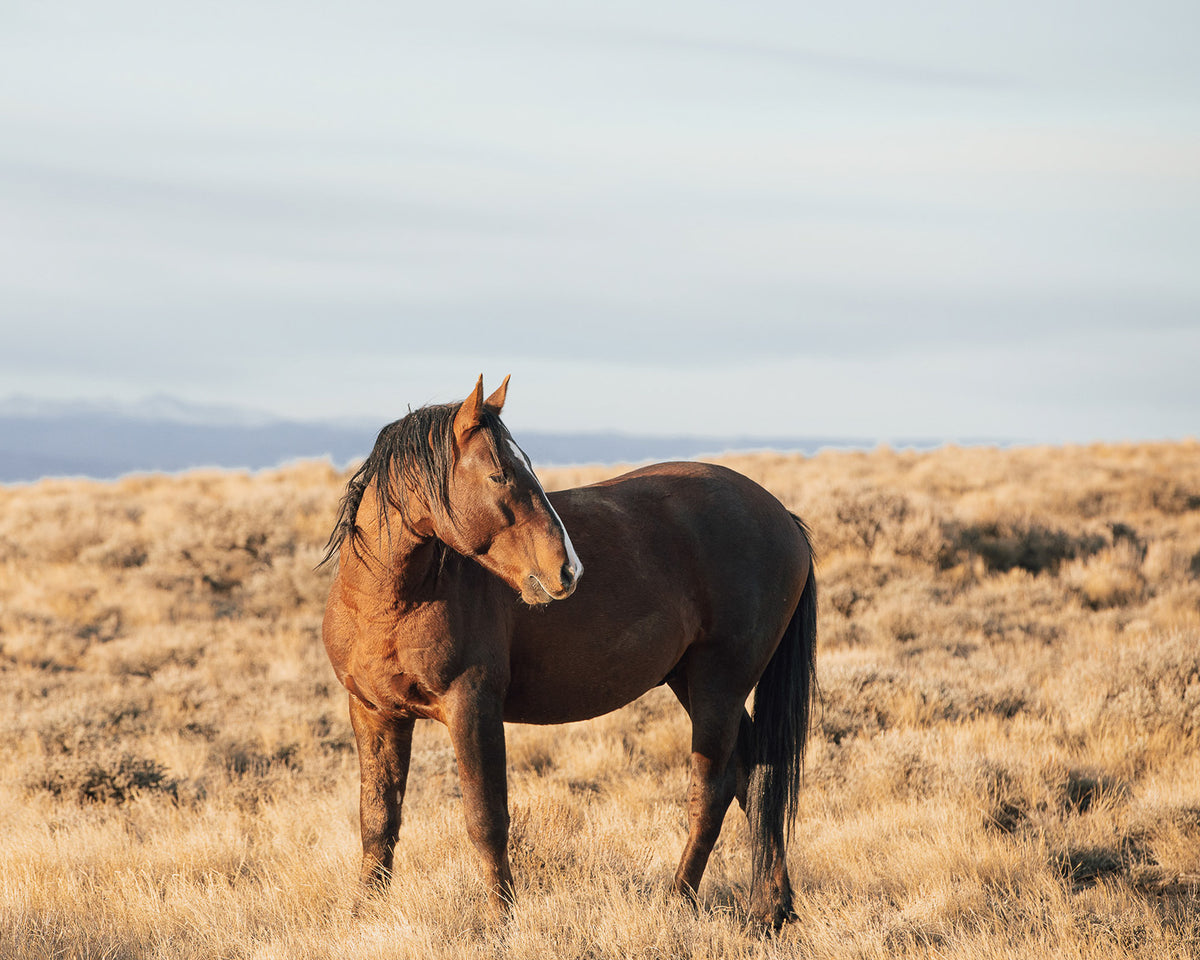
[{"x": 466, "y": 594}]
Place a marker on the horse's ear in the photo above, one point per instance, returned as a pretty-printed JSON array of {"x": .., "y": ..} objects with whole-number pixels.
[
  {"x": 495, "y": 403},
  {"x": 469, "y": 414}
]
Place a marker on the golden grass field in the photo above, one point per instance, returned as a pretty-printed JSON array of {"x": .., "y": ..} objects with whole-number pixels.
[{"x": 1006, "y": 763}]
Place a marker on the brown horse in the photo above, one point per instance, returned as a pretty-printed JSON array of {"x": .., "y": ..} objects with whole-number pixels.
[{"x": 695, "y": 577}]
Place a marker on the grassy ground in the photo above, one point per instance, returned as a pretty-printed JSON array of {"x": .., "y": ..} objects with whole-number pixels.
[{"x": 1007, "y": 761}]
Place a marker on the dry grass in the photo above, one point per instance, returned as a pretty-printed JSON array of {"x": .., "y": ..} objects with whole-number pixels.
[{"x": 1007, "y": 763}]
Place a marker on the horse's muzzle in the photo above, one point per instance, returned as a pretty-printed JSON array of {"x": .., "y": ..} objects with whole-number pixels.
[{"x": 537, "y": 592}]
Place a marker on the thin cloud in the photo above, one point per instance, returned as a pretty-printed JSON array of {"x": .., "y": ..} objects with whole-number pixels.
[{"x": 846, "y": 65}]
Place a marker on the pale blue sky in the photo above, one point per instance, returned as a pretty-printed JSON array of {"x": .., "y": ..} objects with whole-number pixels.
[{"x": 886, "y": 220}]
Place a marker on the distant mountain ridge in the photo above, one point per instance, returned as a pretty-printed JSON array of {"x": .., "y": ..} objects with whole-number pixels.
[{"x": 106, "y": 439}]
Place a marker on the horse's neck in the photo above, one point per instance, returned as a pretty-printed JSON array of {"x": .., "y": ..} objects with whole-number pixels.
[{"x": 393, "y": 563}]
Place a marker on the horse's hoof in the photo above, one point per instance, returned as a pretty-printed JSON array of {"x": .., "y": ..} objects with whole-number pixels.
[
  {"x": 500, "y": 905},
  {"x": 770, "y": 917},
  {"x": 685, "y": 892}
]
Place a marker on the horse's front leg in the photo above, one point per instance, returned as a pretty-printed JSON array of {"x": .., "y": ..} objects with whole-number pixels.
[
  {"x": 384, "y": 748},
  {"x": 474, "y": 717}
]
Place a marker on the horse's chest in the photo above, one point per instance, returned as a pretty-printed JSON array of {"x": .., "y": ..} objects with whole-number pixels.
[
  {"x": 401, "y": 687},
  {"x": 400, "y": 671},
  {"x": 398, "y": 695}
]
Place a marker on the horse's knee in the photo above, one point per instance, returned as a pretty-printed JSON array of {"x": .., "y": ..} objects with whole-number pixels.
[{"x": 487, "y": 831}]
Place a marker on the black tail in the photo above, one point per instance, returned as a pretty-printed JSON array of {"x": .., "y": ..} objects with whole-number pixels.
[{"x": 782, "y": 708}]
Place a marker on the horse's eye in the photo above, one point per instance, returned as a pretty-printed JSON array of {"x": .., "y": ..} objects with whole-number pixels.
[{"x": 499, "y": 478}]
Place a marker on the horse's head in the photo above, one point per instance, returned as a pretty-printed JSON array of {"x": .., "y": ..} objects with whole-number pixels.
[{"x": 500, "y": 513}]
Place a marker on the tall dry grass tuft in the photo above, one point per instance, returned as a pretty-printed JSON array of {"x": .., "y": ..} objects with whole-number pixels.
[{"x": 1005, "y": 762}]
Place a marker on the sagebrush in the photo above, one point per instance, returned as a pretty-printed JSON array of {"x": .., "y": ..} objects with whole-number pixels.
[{"x": 1006, "y": 762}]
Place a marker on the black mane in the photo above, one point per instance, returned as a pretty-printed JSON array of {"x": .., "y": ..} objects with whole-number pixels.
[{"x": 414, "y": 453}]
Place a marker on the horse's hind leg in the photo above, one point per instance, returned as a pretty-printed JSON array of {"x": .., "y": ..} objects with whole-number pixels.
[
  {"x": 770, "y": 887},
  {"x": 384, "y": 748},
  {"x": 716, "y": 716}
]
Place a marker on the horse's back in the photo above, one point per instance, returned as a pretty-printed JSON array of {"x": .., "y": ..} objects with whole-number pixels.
[
  {"x": 719, "y": 525},
  {"x": 674, "y": 555}
]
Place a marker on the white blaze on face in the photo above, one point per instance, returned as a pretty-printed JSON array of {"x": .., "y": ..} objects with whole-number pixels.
[{"x": 573, "y": 561}]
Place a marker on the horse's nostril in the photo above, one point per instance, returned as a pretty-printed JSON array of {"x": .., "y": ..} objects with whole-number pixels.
[{"x": 567, "y": 574}]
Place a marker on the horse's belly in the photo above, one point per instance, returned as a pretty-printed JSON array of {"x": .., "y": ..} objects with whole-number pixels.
[
  {"x": 559, "y": 677},
  {"x": 575, "y": 700}
]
